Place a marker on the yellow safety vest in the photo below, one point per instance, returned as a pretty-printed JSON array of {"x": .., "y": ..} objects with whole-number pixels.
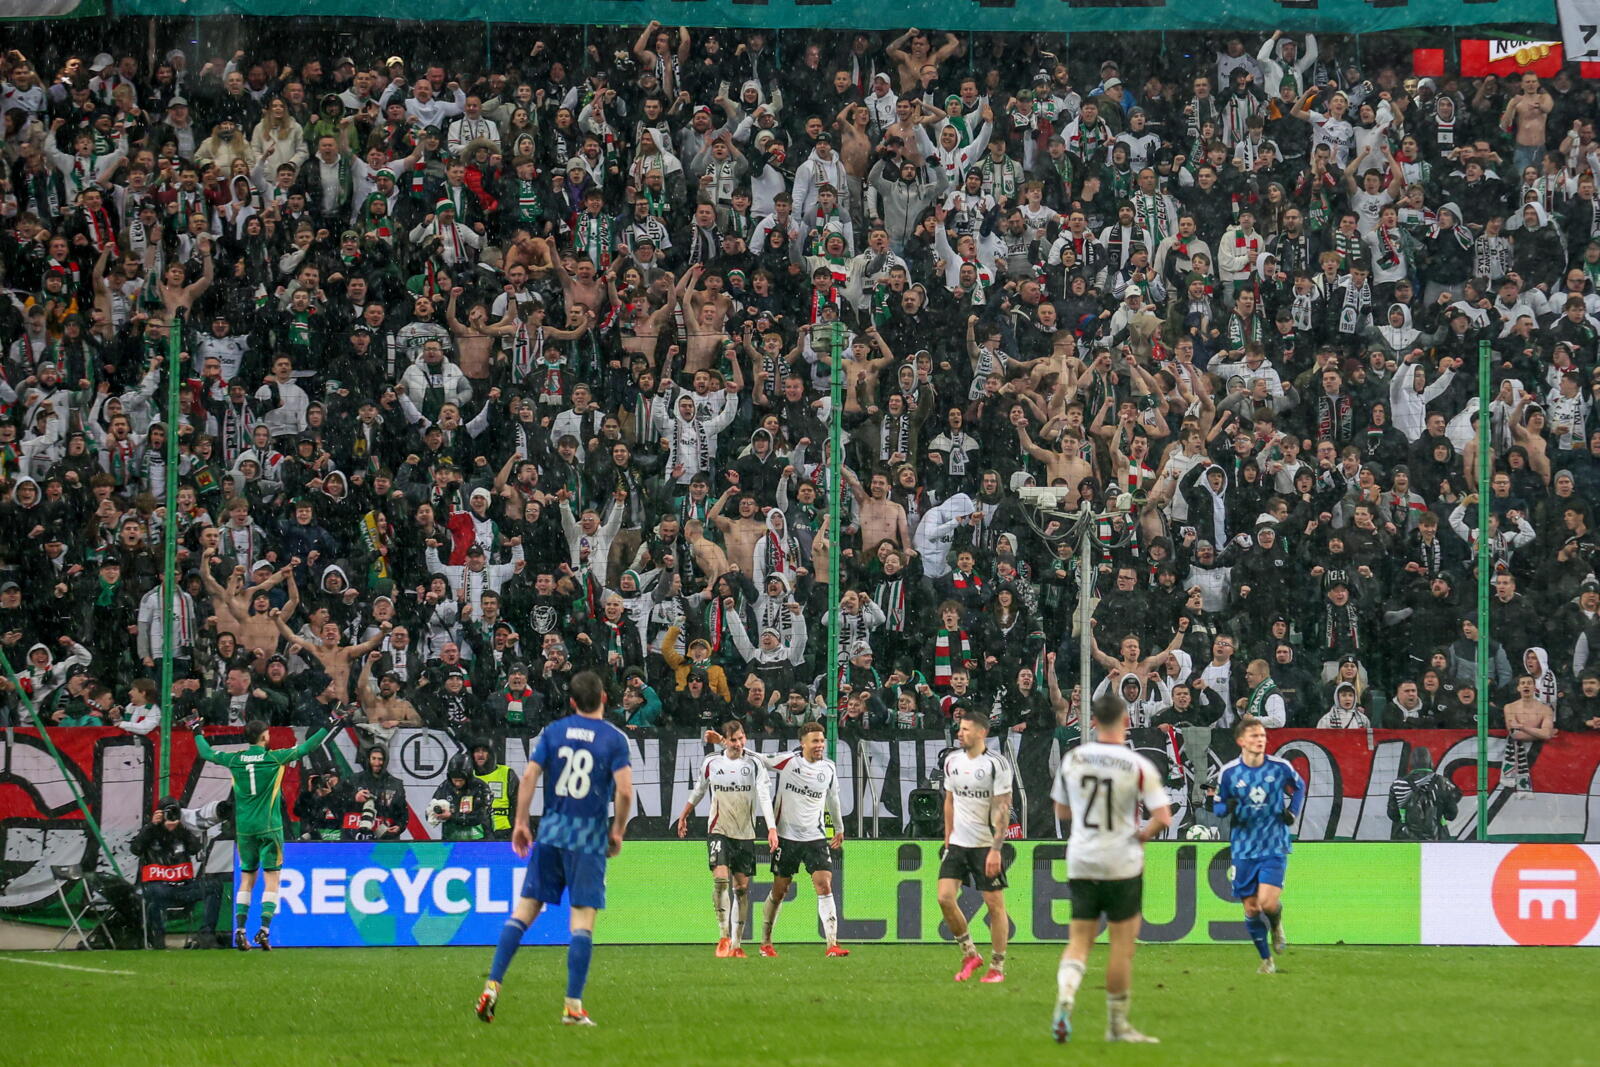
[{"x": 497, "y": 780}]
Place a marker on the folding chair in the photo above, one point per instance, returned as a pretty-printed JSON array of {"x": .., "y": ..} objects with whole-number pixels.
[{"x": 91, "y": 911}]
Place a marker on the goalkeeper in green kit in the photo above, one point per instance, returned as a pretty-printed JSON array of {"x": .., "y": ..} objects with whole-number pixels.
[{"x": 258, "y": 816}]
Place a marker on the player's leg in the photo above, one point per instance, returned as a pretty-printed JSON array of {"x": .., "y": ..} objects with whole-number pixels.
[
  {"x": 579, "y": 953},
  {"x": 722, "y": 898},
  {"x": 949, "y": 892},
  {"x": 994, "y": 901},
  {"x": 828, "y": 910},
  {"x": 271, "y": 874},
  {"x": 586, "y": 893},
  {"x": 249, "y": 866},
  {"x": 1270, "y": 899},
  {"x": 737, "y": 907},
  {"x": 537, "y": 884},
  {"x": 769, "y": 910},
  {"x": 1119, "y": 981},
  {"x": 1069, "y": 974},
  {"x": 1246, "y": 886}
]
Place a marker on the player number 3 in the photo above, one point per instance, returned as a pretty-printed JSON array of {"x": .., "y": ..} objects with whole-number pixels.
[{"x": 575, "y": 768}]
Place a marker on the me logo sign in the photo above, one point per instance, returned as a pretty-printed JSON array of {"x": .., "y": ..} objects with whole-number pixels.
[{"x": 1546, "y": 894}]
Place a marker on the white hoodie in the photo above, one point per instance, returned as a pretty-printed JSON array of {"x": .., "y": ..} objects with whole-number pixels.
[{"x": 937, "y": 530}]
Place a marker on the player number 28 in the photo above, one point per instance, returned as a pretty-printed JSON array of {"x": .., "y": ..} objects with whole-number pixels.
[{"x": 575, "y": 768}]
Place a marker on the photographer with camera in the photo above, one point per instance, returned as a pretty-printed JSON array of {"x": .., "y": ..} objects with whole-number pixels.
[
  {"x": 170, "y": 858},
  {"x": 1421, "y": 802},
  {"x": 463, "y": 804},
  {"x": 322, "y": 809},
  {"x": 377, "y": 807}
]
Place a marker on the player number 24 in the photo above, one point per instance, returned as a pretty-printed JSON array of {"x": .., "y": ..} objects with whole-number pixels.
[
  {"x": 576, "y": 765},
  {"x": 1096, "y": 787}
]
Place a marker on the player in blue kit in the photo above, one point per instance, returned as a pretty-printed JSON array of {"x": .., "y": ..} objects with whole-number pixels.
[
  {"x": 587, "y": 762},
  {"x": 1252, "y": 793}
]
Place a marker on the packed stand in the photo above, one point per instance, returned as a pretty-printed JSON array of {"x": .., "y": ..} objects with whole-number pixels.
[{"x": 490, "y": 376}]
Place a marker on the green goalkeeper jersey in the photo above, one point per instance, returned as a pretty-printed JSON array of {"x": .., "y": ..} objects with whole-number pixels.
[{"x": 258, "y": 781}]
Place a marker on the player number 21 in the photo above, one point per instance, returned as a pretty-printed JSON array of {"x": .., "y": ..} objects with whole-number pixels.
[
  {"x": 1097, "y": 787},
  {"x": 576, "y": 764}
]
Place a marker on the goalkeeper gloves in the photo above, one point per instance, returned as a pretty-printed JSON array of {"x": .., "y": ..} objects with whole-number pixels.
[{"x": 1287, "y": 816}]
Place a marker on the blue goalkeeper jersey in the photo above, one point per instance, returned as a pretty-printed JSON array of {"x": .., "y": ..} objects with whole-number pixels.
[
  {"x": 580, "y": 757},
  {"x": 1255, "y": 799}
]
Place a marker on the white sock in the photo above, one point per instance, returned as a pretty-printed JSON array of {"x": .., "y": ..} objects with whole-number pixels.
[
  {"x": 967, "y": 947},
  {"x": 269, "y": 897},
  {"x": 719, "y": 897},
  {"x": 1068, "y": 977},
  {"x": 769, "y": 917},
  {"x": 1117, "y": 1011},
  {"x": 734, "y": 921},
  {"x": 828, "y": 912},
  {"x": 741, "y": 907}
]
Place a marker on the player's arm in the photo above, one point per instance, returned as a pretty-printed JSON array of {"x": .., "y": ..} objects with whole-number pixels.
[
  {"x": 622, "y": 778},
  {"x": 949, "y": 816},
  {"x": 701, "y": 787},
  {"x": 211, "y": 755},
  {"x": 1160, "y": 819},
  {"x": 521, "y": 836},
  {"x": 764, "y": 805},
  {"x": 1154, "y": 798},
  {"x": 1296, "y": 788},
  {"x": 999, "y": 820},
  {"x": 310, "y": 744},
  {"x": 835, "y": 813}
]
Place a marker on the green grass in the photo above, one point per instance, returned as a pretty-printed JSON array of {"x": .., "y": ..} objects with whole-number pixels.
[{"x": 884, "y": 1005}]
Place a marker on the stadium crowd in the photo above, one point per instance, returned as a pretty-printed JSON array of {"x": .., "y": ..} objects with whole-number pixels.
[{"x": 491, "y": 375}]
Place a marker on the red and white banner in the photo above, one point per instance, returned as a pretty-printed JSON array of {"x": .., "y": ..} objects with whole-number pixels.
[
  {"x": 1348, "y": 774},
  {"x": 1528, "y": 894}
]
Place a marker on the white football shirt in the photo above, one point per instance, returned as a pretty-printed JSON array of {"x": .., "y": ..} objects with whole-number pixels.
[
  {"x": 739, "y": 791},
  {"x": 1103, "y": 785},
  {"x": 805, "y": 791},
  {"x": 974, "y": 781}
]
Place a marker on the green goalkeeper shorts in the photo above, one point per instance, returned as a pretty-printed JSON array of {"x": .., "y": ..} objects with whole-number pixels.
[{"x": 261, "y": 852}]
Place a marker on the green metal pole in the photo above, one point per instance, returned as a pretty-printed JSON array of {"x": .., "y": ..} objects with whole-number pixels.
[
  {"x": 66, "y": 775},
  {"x": 169, "y": 544},
  {"x": 835, "y": 534},
  {"x": 1484, "y": 558}
]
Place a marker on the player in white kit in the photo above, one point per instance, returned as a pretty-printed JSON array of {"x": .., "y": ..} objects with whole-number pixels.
[
  {"x": 740, "y": 790},
  {"x": 808, "y": 786},
  {"x": 1098, "y": 789},
  {"x": 977, "y": 810}
]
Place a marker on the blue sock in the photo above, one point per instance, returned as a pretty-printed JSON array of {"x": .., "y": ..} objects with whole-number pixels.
[
  {"x": 510, "y": 939},
  {"x": 1257, "y": 925},
  {"x": 578, "y": 954}
]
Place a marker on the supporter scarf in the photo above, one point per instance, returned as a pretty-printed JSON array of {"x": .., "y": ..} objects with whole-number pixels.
[
  {"x": 1341, "y": 622},
  {"x": 552, "y": 380},
  {"x": 714, "y": 623},
  {"x": 527, "y": 350},
  {"x": 1257, "y": 703},
  {"x": 951, "y": 648},
  {"x": 372, "y": 537},
  {"x": 890, "y": 596},
  {"x": 1357, "y": 301},
  {"x": 895, "y": 436},
  {"x": 1389, "y": 247},
  {"x": 966, "y": 580},
  {"x": 590, "y": 239},
  {"x": 1151, "y": 212},
  {"x": 107, "y": 595}
]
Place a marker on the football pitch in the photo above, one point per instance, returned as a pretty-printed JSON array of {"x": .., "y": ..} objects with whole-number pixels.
[{"x": 883, "y": 1005}]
